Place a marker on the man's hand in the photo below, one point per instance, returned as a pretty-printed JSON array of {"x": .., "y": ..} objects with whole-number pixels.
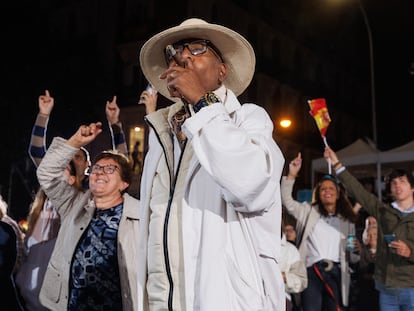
[
  {"x": 294, "y": 166},
  {"x": 46, "y": 103},
  {"x": 331, "y": 156},
  {"x": 401, "y": 248},
  {"x": 149, "y": 99},
  {"x": 112, "y": 111},
  {"x": 185, "y": 83}
]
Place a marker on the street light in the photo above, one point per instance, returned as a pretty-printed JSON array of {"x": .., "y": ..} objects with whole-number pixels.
[
  {"x": 285, "y": 122},
  {"x": 371, "y": 62},
  {"x": 373, "y": 103},
  {"x": 372, "y": 75},
  {"x": 372, "y": 82}
]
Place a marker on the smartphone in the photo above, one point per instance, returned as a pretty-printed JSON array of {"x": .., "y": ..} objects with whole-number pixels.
[
  {"x": 150, "y": 89},
  {"x": 173, "y": 53},
  {"x": 350, "y": 242},
  {"x": 389, "y": 237}
]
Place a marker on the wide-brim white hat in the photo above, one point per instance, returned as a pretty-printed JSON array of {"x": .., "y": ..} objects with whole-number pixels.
[{"x": 236, "y": 51}]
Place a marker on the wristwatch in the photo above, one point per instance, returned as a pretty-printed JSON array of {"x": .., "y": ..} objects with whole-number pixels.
[{"x": 208, "y": 99}]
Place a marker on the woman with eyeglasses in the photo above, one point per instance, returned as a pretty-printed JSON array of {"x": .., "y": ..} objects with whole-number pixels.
[
  {"x": 323, "y": 227},
  {"x": 93, "y": 265}
]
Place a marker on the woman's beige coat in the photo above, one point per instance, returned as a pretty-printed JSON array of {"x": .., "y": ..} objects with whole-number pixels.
[{"x": 76, "y": 210}]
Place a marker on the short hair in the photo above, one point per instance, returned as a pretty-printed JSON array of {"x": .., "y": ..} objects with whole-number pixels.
[
  {"x": 121, "y": 159},
  {"x": 396, "y": 173}
]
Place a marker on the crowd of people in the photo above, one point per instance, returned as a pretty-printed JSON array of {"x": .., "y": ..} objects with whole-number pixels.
[{"x": 208, "y": 231}]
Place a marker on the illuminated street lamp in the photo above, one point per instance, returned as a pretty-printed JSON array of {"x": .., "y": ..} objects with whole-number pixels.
[
  {"x": 372, "y": 81},
  {"x": 285, "y": 123},
  {"x": 372, "y": 71},
  {"x": 373, "y": 104},
  {"x": 371, "y": 62}
]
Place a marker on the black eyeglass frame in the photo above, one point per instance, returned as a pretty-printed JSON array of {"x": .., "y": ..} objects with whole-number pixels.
[
  {"x": 186, "y": 44},
  {"x": 107, "y": 169}
]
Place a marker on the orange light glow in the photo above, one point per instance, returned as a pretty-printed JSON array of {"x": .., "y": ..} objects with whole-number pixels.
[{"x": 285, "y": 123}]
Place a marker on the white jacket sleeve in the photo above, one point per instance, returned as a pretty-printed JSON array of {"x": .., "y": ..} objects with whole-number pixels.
[{"x": 237, "y": 149}]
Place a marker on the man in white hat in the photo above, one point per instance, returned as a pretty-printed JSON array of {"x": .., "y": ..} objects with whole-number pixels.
[{"x": 211, "y": 208}]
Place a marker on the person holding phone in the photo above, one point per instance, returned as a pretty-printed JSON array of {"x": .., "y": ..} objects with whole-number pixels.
[
  {"x": 394, "y": 267},
  {"x": 149, "y": 98}
]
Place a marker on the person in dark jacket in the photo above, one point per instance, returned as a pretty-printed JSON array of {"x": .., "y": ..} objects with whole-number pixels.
[
  {"x": 394, "y": 269},
  {"x": 8, "y": 256}
]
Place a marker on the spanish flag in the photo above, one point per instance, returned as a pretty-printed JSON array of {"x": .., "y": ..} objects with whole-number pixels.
[{"x": 319, "y": 112}]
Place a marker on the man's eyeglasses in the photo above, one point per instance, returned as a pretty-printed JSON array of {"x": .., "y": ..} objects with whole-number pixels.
[
  {"x": 196, "y": 47},
  {"x": 107, "y": 169}
]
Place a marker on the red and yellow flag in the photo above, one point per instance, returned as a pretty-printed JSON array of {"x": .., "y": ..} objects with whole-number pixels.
[{"x": 319, "y": 112}]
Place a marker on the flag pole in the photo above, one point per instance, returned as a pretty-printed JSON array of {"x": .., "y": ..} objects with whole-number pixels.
[{"x": 329, "y": 159}]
